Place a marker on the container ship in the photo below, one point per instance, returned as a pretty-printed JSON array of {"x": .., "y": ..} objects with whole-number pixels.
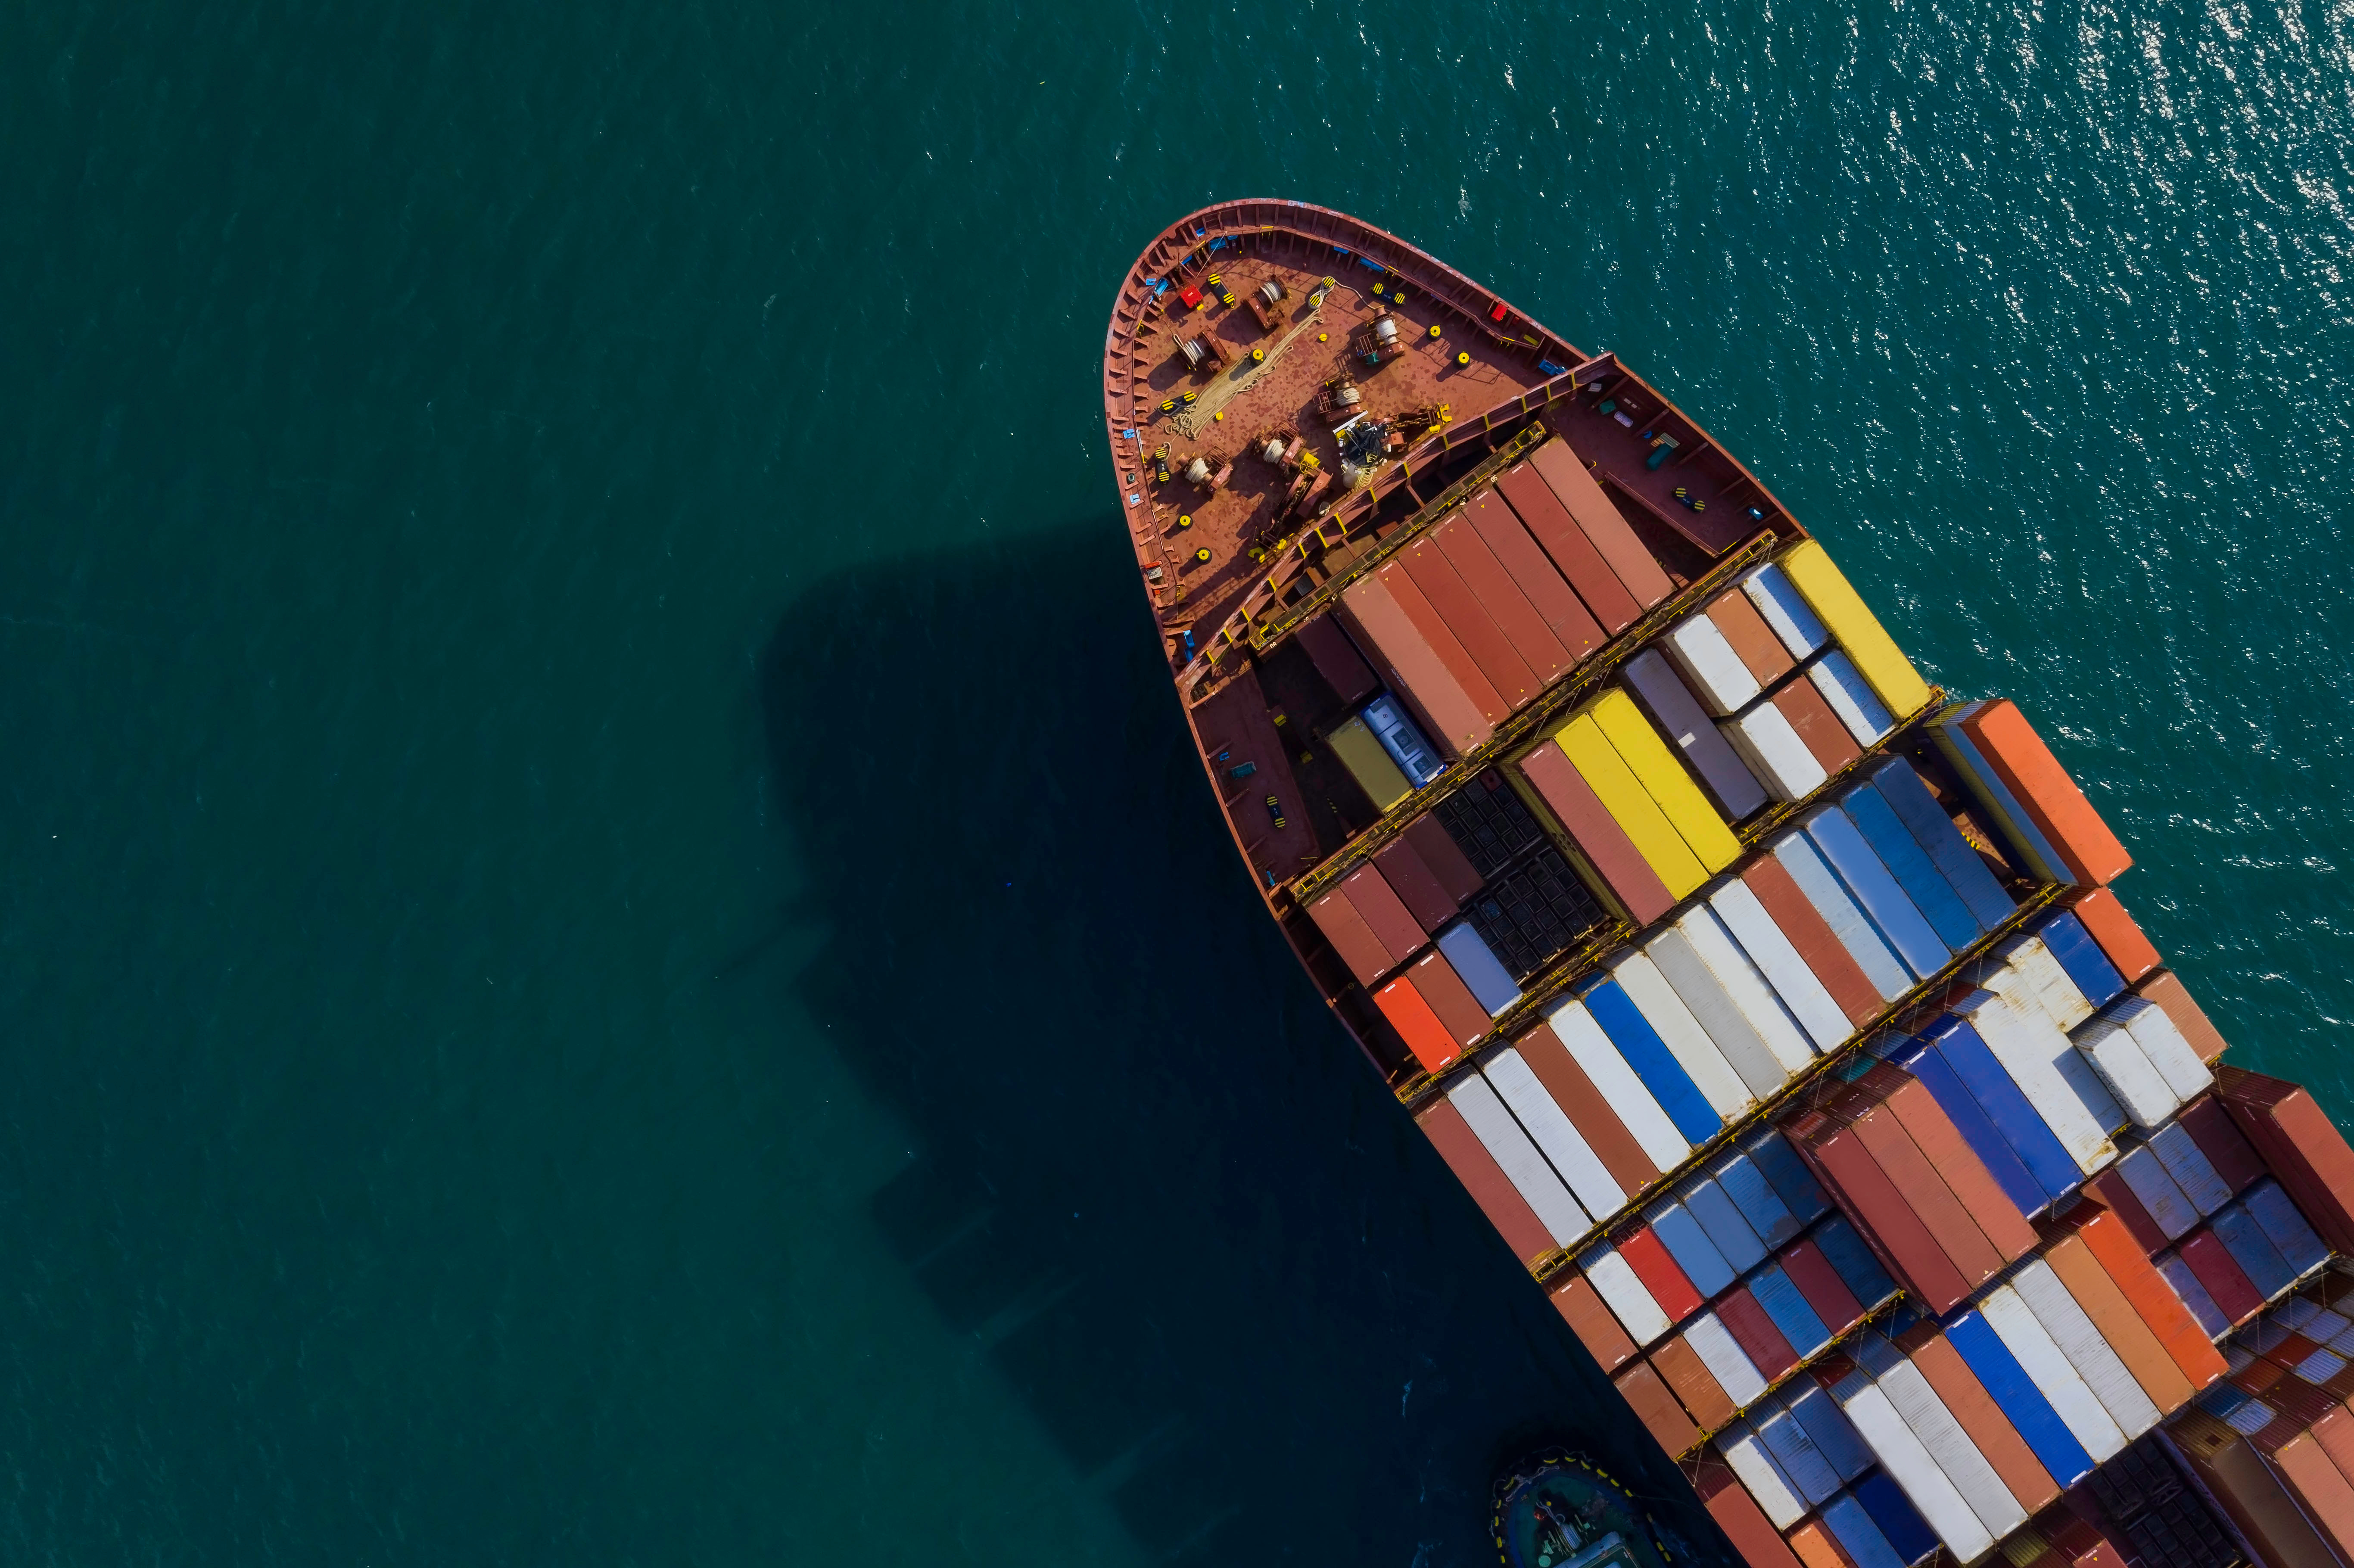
[{"x": 1776, "y": 1007}]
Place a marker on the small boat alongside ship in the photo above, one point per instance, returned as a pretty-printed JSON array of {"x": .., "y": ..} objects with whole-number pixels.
[{"x": 1774, "y": 1006}]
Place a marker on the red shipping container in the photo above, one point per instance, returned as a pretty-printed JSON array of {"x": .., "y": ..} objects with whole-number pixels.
[
  {"x": 2049, "y": 797},
  {"x": 1865, "y": 1191},
  {"x": 1820, "y": 1284},
  {"x": 2165, "y": 991},
  {"x": 1441, "y": 637},
  {"x": 2109, "y": 1190},
  {"x": 1752, "y": 642},
  {"x": 1486, "y": 1182},
  {"x": 1412, "y": 667},
  {"x": 1822, "y": 732},
  {"x": 1586, "y": 1109},
  {"x": 2082, "y": 1543},
  {"x": 1737, "y": 1514},
  {"x": 1378, "y": 904},
  {"x": 1572, "y": 553},
  {"x": 1601, "y": 842},
  {"x": 1366, "y": 955},
  {"x": 2221, "y": 1274},
  {"x": 1754, "y": 1333},
  {"x": 1600, "y": 521},
  {"x": 2248, "y": 1493},
  {"x": 1523, "y": 625},
  {"x": 1953, "y": 1159},
  {"x": 1689, "y": 1379},
  {"x": 1458, "y": 605},
  {"x": 1655, "y": 1408},
  {"x": 1432, "y": 1045},
  {"x": 1916, "y": 1181},
  {"x": 2219, "y": 1138},
  {"x": 1466, "y": 1022},
  {"x": 1809, "y": 932},
  {"x": 1411, "y": 879},
  {"x": 1337, "y": 660},
  {"x": 1646, "y": 1255},
  {"x": 1525, "y": 559},
  {"x": 2307, "y": 1472},
  {"x": 1444, "y": 858},
  {"x": 1582, "y": 1309},
  {"x": 2300, "y": 1144},
  {"x": 2114, "y": 932}
]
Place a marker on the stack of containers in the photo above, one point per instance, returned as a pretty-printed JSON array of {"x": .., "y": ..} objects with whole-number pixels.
[{"x": 2027, "y": 796}]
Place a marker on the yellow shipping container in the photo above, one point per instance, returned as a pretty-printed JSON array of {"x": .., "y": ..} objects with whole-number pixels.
[
  {"x": 1630, "y": 805},
  {"x": 1845, "y": 616},
  {"x": 1667, "y": 781},
  {"x": 1360, "y": 751}
]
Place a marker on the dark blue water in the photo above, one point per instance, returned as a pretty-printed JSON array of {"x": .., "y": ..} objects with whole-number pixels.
[{"x": 609, "y": 947}]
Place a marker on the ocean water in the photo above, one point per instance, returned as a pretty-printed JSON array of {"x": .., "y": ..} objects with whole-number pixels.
[{"x": 609, "y": 947}]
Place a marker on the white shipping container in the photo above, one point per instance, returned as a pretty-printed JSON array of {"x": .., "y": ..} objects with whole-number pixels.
[
  {"x": 1786, "y": 609},
  {"x": 2187, "y": 1164},
  {"x": 1792, "y": 980},
  {"x": 1629, "y": 1300},
  {"x": 1696, "y": 985},
  {"x": 1710, "y": 666},
  {"x": 1726, "y": 1361},
  {"x": 1777, "y": 1496},
  {"x": 1724, "y": 1090},
  {"x": 2103, "y": 1371},
  {"x": 1674, "y": 709},
  {"x": 1618, "y": 1085},
  {"x": 2048, "y": 1368},
  {"x": 2038, "y": 1058},
  {"x": 1522, "y": 1165},
  {"x": 1804, "y": 1464},
  {"x": 1721, "y": 1219},
  {"x": 2060, "y": 996},
  {"x": 1850, "y": 696},
  {"x": 2177, "y": 1062},
  {"x": 1941, "y": 1436},
  {"x": 1835, "y": 1436},
  {"x": 2117, "y": 1056},
  {"x": 1748, "y": 988},
  {"x": 1556, "y": 1136},
  {"x": 1854, "y": 928},
  {"x": 1775, "y": 753},
  {"x": 2155, "y": 1185},
  {"x": 1909, "y": 1465}
]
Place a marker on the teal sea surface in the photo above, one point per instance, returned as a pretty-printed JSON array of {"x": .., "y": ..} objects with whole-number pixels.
[{"x": 610, "y": 948}]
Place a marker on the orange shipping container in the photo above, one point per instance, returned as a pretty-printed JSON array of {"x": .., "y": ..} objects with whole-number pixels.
[
  {"x": 2146, "y": 1289},
  {"x": 1657, "y": 1409},
  {"x": 2117, "y": 934},
  {"x": 2014, "y": 750},
  {"x": 1582, "y": 1309},
  {"x": 1737, "y": 1514}
]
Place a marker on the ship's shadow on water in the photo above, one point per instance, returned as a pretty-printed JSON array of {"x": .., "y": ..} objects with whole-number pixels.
[{"x": 1152, "y": 1178}]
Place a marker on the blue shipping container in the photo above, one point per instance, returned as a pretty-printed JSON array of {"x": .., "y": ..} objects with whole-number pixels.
[
  {"x": 1648, "y": 1056},
  {"x": 1689, "y": 1245},
  {"x": 1898, "y": 1520},
  {"x": 1909, "y": 864},
  {"x": 1721, "y": 1218},
  {"x": 1793, "y": 1182},
  {"x": 1799, "y": 1323},
  {"x": 1949, "y": 852},
  {"x": 1754, "y": 1196},
  {"x": 2261, "y": 1261},
  {"x": 2006, "y": 1105},
  {"x": 1894, "y": 916},
  {"x": 1857, "y": 1536},
  {"x": 1489, "y": 983},
  {"x": 1854, "y": 1262},
  {"x": 1850, "y": 923},
  {"x": 2016, "y": 1395},
  {"x": 1924, "y": 1062},
  {"x": 2194, "y": 1295},
  {"x": 1834, "y": 1435},
  {"x": 2286, "y": 1225},
  {"x": 2081, "y": 958}
]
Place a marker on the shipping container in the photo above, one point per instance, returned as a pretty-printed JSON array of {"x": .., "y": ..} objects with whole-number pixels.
[
  {"x": 1517, "y": 1157},
  {"x": 1812, "y": 1543},
  {"x": 1671, "y": 1022},
  {"x": 1556, "y": 1136},
  {"x": 1541, "y": 512},
  {"x": 2006, "y": 1104},
  {"x": 2065, "y": 818},
  {"x": 1630, "y": 805},
  {"x": 1572, "y": 623},
  {"x": 2022, "y": 1474},
  {"x": 1433, "y": 1043},
  {"x": 2119, "y": 937},
  {"x": 1694, "y": 1386},
  {"x": 1702, "y": 966},
  {"x": 1827, "y": 1427},
  {"x": 1593, "y": 1113},
  {"x": 2015, "y": 1392},
  {"x": 2302, "y": 1146},
  {"x": 2077, "y": 953},
  {"x": 1799, "y": 992},
  {"x": 1997, "y": 809},
  {"x": 1929, "y": 1189},
  {"x": 1737, "y": 1514},
  {"x": 2192, "y": 1292},
  {"x": 1655, "y": 1408},
  {"x": 1810, "y": 1471},
  {"x": 1754, "y": 1330},
  {"x": 1486, "y": 1182},
  {"x": 1756, "y": 644},
  {"x": 1856, "y": 1264},
  {"x": 1889, "y": 839},
  {"x": 2057, "y": 1082},
  {"x": 1730, "y": 1365},
  {"x": 1856, "y": 933},
  {"x": 1781, "y": 606},
  {"x": 1366, "y": 953},
  {"x": 1688, "y": 1241},
  {"x": 1337, "y": 660},
  {"x": 1816, "y": 725},
  {"x": 2089, "y": 1354},
  {"x": 1443, "y": 857},
  {"x": 1950, "y": 1161},
  {"x": 1775, "y": 1494},
  {"x": 1826, "y": 1294},
  {"x": 2165, "y": 989},
  {"x": 1843, "y": 613},
  {"x": 1722, "y": 1218},
  {"x": 1406, "y": 744},
  {"x": 1378, "y": 905},
  {"x": 1666, "y": 781},
  {"x": 1369, "y": 763},
  {"x": 1431, "y": 680},
  {"x": 2021, "y": 967},
  {"x": 1792, "y": 1181},
  {"x": 1859, "y": 1536},
  {"x": 1779, "y": 1295},
  {"x": 2273, "y": 1210},
  {"x": 1947, "y": 1443},
  {"x": 1970, "y": 1119},
  {"x": 1524, "y": 627},
  {"x": 1907, "y": 1461},
  {"x": 2235, "y": 1478},
  {"x": 1600, "y": 522},
  {"x": 1652, "y": 1263},
  {"x": 1416, "y": 885},
  {"x": 1775, "y": 752},
  {"x": 1629, "y": 1093},
  {"x": 1606, "y": 854},
  {"x": 1582, "y": 1308},
  {"x": 2227, "y": 1284},
  {"x": 2153, "y": 1367},
  {"x": 1870, "y": 1194},
  {"x": 2117, "y": 1056},
  {"x": 1809, "y": 933},
  {"x": 1709, "y": 665},
  {"x": 2176, "y": 1061},
  {"x": 1850, "y": 696},
  {"x": 1753, "y": 1195},
  {"x": 2296, "y": 1458},
  {"x": 2194, "y": 1174},
  {"x": 1460, "y": 610},
  {"x": 1894, "y": 914},
  {"x": 1621, "y": 1289},
  {"x": 2054, "y": 1371},
  {"x": 1476, "y": 965},
  {"x": 2261, "y": 1261},
  {"x": 1962, "y": 867},
  {"x": 1662, "y": 694}
]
